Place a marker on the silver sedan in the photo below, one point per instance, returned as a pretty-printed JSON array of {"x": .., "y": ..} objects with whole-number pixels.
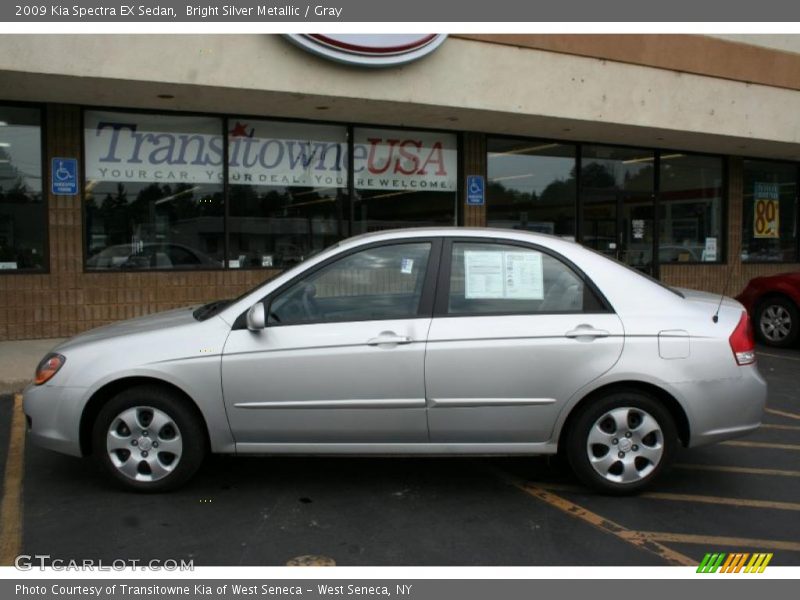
[{"x": 424, "y": 341}]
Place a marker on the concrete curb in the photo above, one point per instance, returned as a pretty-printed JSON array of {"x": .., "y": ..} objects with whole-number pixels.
[
  {"x": 18, "y": 360},
  {"x": 13, "y": 386}
]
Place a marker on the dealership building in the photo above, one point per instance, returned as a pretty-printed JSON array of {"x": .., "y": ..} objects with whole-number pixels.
[{"x": 141, "y": 173}]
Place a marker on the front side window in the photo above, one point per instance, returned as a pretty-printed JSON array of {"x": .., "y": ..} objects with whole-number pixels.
[
  {"x": 23, "y": 219},
  {"x": 287, "y": 192},
  {"x": 769, "y": 212},
  {"x": 154, "y": 193},
  {"x": 383, "y": 282},
  {"x": 497, "y": 279},
  {"x": 403, "y": 179}
]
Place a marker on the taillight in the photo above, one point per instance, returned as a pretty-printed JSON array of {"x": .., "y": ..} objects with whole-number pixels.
[
  {"x": 48, "y": 367},
  {"x": 742, "y": 342}
]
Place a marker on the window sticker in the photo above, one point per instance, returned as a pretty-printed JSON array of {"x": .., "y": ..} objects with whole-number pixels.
[
  {"x": 407, "y": 266},
  {"x": 516, "y": 275},
  {"x": 524, "y": 277},
  {"x": 483, "y": 274}
]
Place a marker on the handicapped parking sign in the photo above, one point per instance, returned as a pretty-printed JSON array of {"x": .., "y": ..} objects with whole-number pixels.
[
  {"x": 64, "y": 176},
  {"x": 476, "y": 190}
]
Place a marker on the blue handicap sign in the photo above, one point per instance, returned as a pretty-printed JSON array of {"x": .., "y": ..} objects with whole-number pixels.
[
  {"x": 64, "y": 176},
  {"x": 476, "y": 190}
]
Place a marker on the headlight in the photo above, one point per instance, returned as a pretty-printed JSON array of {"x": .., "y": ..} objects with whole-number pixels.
[{"x": 48, "y": 367}]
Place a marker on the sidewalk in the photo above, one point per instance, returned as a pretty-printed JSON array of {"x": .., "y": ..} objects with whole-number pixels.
[{"x": 18, "y": 361}]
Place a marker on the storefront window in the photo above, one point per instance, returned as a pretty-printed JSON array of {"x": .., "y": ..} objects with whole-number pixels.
[
  {"x": 690, "y": 213},
  {"x": 288, "y": 190},
  {"x": 153, "y": 191},
  {"x": 769, "y": 212},
  {"x": 617, "y": 187},
  {"x": 531, "y": 186},
  {"x": 23, "y": 219},
  {"x": 404, "y": 179}
]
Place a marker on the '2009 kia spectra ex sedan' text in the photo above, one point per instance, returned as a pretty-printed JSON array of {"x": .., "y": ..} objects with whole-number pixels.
[{"x": 423, "y": 341}]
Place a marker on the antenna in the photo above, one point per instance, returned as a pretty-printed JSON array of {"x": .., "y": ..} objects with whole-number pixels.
[{"x": 715, "y": 318}]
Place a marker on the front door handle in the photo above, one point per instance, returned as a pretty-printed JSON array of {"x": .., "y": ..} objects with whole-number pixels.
[
  {"x": 388, "y": 338},
  {"x": 586, "y": 331}
]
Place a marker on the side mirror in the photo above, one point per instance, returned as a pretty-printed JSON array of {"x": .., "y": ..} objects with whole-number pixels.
[{"x": 256, "y": 317}]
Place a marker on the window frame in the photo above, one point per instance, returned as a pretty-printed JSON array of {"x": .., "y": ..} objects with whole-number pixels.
[
  {"x": 427, "y": 297},
  {"x": 441, "y": 303},
  {"x": 796, "y": 257},
  {"x": 45, "y": 158},
  {"x": 225, "y": 117}
]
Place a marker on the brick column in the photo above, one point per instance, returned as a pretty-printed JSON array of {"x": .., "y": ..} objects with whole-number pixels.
[{"x": 473, "y": 150}]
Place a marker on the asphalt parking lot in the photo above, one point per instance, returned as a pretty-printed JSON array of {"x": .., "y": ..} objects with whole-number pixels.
[{"x": 740, "y": 496}]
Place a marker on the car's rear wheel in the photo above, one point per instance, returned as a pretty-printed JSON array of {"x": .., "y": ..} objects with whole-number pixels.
[
  {"x": 620, "y": 442},
  {"x": 777, "y": 322},
  {"x": 148, "y": 439}
]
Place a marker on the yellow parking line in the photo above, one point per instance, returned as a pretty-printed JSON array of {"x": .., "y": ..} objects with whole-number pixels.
[
  {"x": 606, "y": 525},
  {"x": 767, "y": 445},
  {"x": 743, "y": 470},
  {"x": 781, "y": 427},
  {"x": 777, "y": 356},
  {"x": 714, "y": 540},
  {"x": 782, "y": 413},
  {"x": 745, "y": 502},
  {"x": 11, "y": 503}
]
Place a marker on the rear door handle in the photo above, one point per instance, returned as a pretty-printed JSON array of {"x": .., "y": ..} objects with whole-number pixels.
[
  {"x": 388, "y": 338},
  {"x": 586, "y": 331}
]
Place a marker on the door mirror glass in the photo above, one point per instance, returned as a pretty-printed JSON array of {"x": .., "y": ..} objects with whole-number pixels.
[{"x": 256, "y": 317}]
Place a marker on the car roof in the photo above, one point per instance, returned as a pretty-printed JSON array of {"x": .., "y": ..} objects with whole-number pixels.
[{"x": 453, "y": 231}]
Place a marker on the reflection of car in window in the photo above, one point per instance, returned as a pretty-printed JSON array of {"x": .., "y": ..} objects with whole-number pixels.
[{"x": 151, "y": 256}]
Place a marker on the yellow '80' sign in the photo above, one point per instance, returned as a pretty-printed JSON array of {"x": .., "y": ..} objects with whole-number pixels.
[{"x": 766, "y": 217}]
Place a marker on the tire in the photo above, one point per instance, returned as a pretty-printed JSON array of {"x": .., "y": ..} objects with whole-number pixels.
[
  {"x": 634, "y": 437},
  {"x": 777, "y": 322},
  {"x": 149, "y": 439}
]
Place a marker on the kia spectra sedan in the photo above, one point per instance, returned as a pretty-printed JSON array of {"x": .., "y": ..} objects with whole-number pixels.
[{"x": 413, "y": 342}]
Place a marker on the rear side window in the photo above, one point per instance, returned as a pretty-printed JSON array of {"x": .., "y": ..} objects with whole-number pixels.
[{"x": 488, "y": 278}]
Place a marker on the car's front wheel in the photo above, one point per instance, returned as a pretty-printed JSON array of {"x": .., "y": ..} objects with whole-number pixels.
[
  {"x": 777, "y": 322},
  {"x": 620, "y": 442},
  {"x": 148, "y": 439}
]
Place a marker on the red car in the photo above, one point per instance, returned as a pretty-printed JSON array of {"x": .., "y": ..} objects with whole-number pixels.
[{"x": 773, "y": 303}]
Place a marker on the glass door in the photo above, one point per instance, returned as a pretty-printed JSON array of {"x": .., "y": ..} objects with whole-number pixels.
[{"x": 617, "y": 188}]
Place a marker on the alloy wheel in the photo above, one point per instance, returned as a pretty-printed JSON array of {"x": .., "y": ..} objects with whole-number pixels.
[
  {"x": 625, "y": 445},
  {"x": 775, "y": 323},
  {"x": 144, "y": 443}
]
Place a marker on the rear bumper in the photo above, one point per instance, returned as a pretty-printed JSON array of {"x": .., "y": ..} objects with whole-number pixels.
[
  {"x": 54, "y": 415},
  {"x": 722, "y": 409}
]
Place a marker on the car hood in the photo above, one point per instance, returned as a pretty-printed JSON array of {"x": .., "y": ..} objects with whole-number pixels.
[{"x": 158, "y": 321}]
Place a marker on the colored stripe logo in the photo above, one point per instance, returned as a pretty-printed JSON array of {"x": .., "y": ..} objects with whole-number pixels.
[{"x": 734, "y": 562}]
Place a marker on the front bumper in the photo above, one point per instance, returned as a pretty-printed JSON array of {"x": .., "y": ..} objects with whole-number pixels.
[
  {"x": 722, "y": 409},
  {"x": 54, "y": 416}
]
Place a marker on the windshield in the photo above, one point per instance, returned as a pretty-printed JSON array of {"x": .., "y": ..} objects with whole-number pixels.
[{"x": 217, "y": 306}]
